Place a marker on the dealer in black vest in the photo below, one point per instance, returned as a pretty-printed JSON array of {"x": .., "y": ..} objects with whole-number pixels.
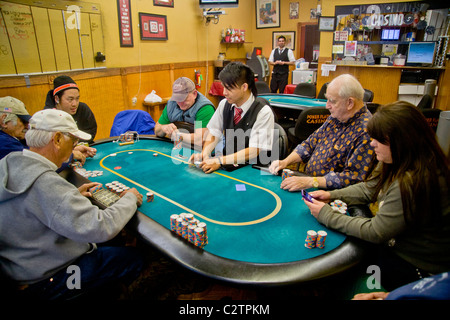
[
  {"x": 242, "y": 121},
  {"x": 280, "y": 58}
]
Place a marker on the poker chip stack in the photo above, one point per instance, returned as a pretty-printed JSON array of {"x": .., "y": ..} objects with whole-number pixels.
[
  {"x": 178, "y": 140},
  {"x": 173, "y": 222},
  {"x": 311, "y": 237},
  {"x": 199, "y": 237},
  {"x": 95, "y": 188},
  {"x": 191, "y": 229},
  {"x": 286, "y": 174},
  {"x": 128, "y": 136},
  {"x": 88, "y": 173},
  {"x": 116, "y": 187},
  {"x": 338, "y": 205},
  {"x": 205, "y": 233},
  {"x": 315, "y": 239},
  {"x": 76, "y": 164},
  {"x": 150, "y": 196},
  {"x": 321, "y": 236}
]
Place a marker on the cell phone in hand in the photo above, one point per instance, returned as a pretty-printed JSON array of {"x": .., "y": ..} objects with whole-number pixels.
[{"x": 306, "y": 196}]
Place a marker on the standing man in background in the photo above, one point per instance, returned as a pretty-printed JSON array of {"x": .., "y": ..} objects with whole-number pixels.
[{"x": 280, "y": 58}]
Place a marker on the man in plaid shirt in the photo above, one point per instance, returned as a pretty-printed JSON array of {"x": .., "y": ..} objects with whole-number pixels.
[{"x": 337, "y": 154}]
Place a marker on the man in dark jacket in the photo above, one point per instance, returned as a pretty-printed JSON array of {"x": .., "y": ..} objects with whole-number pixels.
[{"x": 66, "y": 96}]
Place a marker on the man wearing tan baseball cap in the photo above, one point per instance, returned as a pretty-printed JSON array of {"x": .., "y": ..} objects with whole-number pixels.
[
  {"x": 187, "y": 108},
  {"x": 14, "y": 119},
  {"x": 49, "y": 225}
]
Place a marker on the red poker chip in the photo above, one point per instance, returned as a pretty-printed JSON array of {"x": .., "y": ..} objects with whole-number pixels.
[{"x": 117, "y": 168}]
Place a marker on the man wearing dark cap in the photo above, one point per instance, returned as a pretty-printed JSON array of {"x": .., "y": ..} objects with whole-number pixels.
[
  {"x": 185, "y": 105},
  {"x": 14, "y": 119},
  {"x": 66, "y": 96}
]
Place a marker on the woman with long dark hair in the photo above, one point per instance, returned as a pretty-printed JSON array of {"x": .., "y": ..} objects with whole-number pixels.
[{"x": 409, "y": 185}]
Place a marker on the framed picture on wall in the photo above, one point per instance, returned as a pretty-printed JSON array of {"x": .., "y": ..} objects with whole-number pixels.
[
  {"x": 290, "y": 39},
  {"x": 163, "y": 3},
  {"x": 327, "y": 23},
  {"x": 153, "y": 26},
  {"x": 125, "y": 24},
  {"x": 267, "y": 13}
]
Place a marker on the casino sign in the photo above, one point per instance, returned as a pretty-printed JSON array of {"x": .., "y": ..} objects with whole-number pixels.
[{"x": 381, "y": 20}]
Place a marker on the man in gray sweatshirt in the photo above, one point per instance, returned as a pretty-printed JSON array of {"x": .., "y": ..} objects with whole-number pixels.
[{"x": 48, "y": 227}]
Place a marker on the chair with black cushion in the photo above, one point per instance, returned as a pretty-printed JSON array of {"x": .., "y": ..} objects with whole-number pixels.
[
  {"x": 307, "y": 122},
  {"x": 425, "y": 102},
  {"x": 132, "y": 120},
  {"x": 368, "y": 95},
  {"x": 262, "y": 87},
  {"x": 432, "y": 117},
  {"x": 279, "y": 147},
  {"x": 280, "y": 141},
  {"x": 323, "y": 90},
  {"x": 305, "y": 89},
  {"x": 372, "y": 106}
]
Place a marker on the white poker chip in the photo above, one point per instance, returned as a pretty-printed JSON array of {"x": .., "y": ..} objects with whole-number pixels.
[
  {"x": 113, "y": 154},
  {"x": 339, "y": 206}
]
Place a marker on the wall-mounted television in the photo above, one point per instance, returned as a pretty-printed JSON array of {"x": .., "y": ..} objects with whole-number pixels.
[
  {"x": 421, "y": 53},
  {"x": 206, "y": 4}
]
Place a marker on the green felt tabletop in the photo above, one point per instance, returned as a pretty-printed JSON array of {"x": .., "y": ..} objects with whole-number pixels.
[{"x": 248, "y": 216}]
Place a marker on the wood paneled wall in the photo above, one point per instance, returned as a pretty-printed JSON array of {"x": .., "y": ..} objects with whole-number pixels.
[{"x": 109, "y": 91}]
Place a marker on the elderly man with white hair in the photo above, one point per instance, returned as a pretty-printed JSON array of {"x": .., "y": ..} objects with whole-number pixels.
[
  {"x": 14, "y": 119},
  {"x": 48, "y": 227},
  {"x": 337, "y": 154}
]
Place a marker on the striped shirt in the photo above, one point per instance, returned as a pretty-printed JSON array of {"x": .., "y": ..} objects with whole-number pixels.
[{"x": 339, "y": 151}]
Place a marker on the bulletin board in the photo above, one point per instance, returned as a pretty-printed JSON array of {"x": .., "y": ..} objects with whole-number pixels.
[{"x": 41, "y": 36}]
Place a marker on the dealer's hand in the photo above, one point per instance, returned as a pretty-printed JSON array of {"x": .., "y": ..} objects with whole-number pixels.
[
  {"x": 210, "y": 165},
  {"x": 276, "y": 166}
]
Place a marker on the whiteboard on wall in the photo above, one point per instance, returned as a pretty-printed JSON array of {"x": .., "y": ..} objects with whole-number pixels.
[{"x": 39, "y": 36}]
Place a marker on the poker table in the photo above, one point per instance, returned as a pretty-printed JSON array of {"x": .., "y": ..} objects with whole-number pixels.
[
  {"x": 291, "y": 105},
  {"x": 292, "y": 101},
  {"x": 256, "y": 230}
]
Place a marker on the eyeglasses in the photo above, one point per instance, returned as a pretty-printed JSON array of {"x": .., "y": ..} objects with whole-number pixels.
[{"x": 74, "y": 139}]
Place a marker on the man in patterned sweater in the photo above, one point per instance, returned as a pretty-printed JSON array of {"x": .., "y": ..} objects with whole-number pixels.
[{"x": 337, "y": 154}]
